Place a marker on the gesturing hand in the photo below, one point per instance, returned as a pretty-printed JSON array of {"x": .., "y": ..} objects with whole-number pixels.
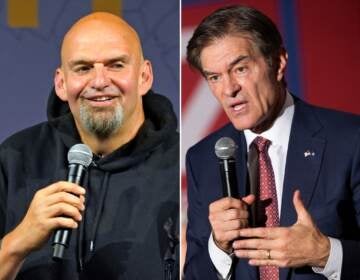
[{"x": 299, "y": 245}]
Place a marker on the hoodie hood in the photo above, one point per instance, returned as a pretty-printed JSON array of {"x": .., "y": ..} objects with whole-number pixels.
[{"x": 159, "y": 127}]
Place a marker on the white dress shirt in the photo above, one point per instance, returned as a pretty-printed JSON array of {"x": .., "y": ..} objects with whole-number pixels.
[{"x": 279, "y": 135}]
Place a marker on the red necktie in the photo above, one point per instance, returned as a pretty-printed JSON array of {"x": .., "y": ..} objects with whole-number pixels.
[{"x": 268, "y": 198}]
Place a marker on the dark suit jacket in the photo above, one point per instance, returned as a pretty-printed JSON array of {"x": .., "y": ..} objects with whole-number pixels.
[{"x": 329, "y": 183}]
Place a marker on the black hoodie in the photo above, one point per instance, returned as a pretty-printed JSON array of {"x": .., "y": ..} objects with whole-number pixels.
[{"x": 130, "y": 225}]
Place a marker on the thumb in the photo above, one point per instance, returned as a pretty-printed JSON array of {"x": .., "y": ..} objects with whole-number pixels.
[
  {"x": 249, "y": 199},
  {"x": 303, "y": 215}
]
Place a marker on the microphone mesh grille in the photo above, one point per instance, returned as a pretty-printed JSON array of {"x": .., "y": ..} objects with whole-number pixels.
[
  {"x": 225, "y": 148},
  {"x": 80, "y": 154}
]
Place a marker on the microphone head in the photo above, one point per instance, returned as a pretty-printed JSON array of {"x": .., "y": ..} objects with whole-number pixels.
[
  {"x": 80, "y": 154},
  {"x": 225, "y": 148}
]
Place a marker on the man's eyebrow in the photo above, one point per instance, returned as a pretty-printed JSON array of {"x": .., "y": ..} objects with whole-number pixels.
[
  {"x": 231, "y": 65},
  {"x": 121, "y": 58},
  {"x": 76, "y": 62},
  {"x": 208, "y": 73},
  {"x": 238, "y": 59}
]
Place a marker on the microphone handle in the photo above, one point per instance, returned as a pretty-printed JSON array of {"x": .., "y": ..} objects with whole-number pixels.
[
  {"x": 228, "y": 177},
  {"x": 229, "y": 184},
  {"x": 62, "y": 236}
]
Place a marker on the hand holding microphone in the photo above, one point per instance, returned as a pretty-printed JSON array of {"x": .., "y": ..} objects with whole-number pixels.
[
  {"x": 229, "y": 214},
  {"x": 58, "y": 205},
  {"x": 79, "y": 157}
]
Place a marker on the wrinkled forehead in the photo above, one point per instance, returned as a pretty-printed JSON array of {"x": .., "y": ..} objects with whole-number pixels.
[
  {"x": 222, "y": 48},
  {"x": 99, "y": 29}
]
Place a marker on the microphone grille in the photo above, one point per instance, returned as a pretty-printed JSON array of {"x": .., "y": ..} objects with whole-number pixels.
[
  {"x": 225, "y": 148},
  {"x": 80, "y": 154}
]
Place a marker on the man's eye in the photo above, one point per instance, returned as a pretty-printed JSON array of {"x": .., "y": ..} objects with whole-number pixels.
[
  {"x": 117, "y": 65},
  {"x": 213, "y": 78},
  {"x": 82, "y": 69},
  {"x": 241, "y": 69}
]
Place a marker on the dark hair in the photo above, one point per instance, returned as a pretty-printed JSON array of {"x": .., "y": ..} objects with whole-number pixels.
[{"x": 237, "y": 20}]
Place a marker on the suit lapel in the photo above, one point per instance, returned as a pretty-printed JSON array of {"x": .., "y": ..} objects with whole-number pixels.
[{"x": 303, "y": 163}]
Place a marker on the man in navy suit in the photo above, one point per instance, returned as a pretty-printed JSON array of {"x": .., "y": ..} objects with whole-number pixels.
[{"x": 314, "y": 156}]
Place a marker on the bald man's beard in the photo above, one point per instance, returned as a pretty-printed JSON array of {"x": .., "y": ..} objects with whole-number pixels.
[{"x": 101, "y": 122}]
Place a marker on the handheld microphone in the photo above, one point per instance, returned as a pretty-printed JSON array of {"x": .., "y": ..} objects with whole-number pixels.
[
  {"x": 79, "y": 158},
  {"x": 225, "y": 149}
]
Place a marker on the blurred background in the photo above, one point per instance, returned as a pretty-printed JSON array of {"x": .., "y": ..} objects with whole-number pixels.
[
  {"x": 323, "y": 42},
  {"x": 31, "y": 33}
]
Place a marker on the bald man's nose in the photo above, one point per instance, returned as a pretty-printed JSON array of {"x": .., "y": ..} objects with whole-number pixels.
[
  {"x": 100, "y": 79},
  {"x": 230, "y": 86}
]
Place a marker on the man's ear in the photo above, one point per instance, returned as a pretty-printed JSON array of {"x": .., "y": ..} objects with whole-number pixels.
[
  {"x": 59, "y": 83},
  {"x": 282, "y": 65},
  {"x": 146, "y": 77}
]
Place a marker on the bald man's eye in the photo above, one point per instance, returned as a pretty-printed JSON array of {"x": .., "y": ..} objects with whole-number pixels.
[
  {"x": 117, "y": 65},
  {"x": 82, "y": 69}
]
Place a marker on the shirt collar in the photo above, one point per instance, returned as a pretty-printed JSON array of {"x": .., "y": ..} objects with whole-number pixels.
[{"x": 279, "y": 132}]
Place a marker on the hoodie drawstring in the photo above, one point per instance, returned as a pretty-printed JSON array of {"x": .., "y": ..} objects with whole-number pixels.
[
  {"x": 81, "y": 231},
  {"x": 104, "y": 188}
]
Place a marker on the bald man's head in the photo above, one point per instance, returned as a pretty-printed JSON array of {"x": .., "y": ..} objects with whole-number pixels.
[
  {"x": 97, "y": 25},
  {"x": 103, "y": 75}
]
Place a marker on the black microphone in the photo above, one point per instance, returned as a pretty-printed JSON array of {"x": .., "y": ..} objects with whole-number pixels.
[
  {"x": 79, "y": 158},
  {"x": 225, "y": 149}
]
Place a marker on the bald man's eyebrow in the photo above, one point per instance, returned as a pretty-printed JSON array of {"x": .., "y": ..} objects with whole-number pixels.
[
  {"x": 77, "y": 62},
  {"x": 123, "y": 58}
]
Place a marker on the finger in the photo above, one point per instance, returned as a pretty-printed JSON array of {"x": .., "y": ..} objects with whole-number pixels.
[
  {"x": 254, "y": 243},
  {"x": 228, "y": 215},
  {"x": 229, "y": 225},
  {"x": 82, "y": 200},
  {"x": 302, "y": 214},
  {"x": 252, "y": 254},
  {"x": 63, "y": 209},
  {"x": 249, "y": 199},
  {"x": 66, "y": 197},
  {"x": 261, "y": 232},
  {"x": 226, "y": 203},
  {"x": 63, "y": 186},
  {"x": 62, "y": 222}
]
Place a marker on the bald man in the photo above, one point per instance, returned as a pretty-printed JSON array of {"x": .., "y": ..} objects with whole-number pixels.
[{"x": 124, "y": 218}]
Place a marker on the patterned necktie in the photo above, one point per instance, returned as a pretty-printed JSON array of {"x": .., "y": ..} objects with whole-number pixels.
[{"x": 268, "y": 199}]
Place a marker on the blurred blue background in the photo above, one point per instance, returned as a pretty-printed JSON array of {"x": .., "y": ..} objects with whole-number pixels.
[{"x": 31, "y": 32}]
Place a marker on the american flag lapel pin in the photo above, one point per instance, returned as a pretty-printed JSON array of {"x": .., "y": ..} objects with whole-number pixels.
[{"x": 309, "y": 153}]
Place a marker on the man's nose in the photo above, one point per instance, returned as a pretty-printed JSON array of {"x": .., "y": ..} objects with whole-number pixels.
[
  {"x": 100, "y": 79},
  {"x": 231, "y": 86}
]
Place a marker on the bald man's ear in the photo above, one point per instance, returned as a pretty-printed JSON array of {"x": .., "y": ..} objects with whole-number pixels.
[
  {"x": 146, "y": 77},
  {"x": 59, "y": 83}
]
